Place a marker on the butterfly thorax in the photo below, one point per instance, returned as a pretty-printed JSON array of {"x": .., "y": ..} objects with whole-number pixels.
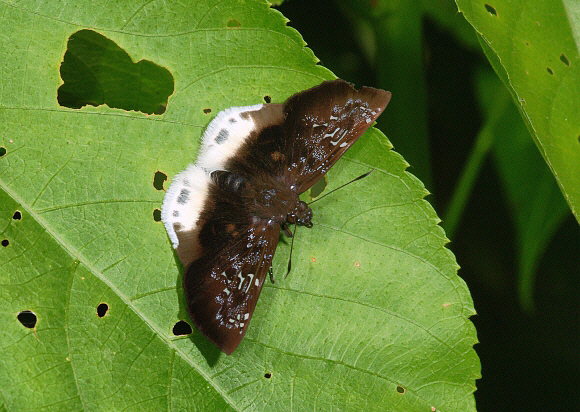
[
  {"x": 269, "y": 199},
  {"x": 278, "y": 203}
]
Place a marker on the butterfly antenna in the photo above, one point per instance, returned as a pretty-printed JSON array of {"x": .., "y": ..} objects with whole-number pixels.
[
  {"x": 340, "y": 187},
  {"x": 291, "y": 248}
]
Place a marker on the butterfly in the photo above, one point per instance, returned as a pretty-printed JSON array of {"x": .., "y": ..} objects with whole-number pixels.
[{"x": 224, "y": 213}]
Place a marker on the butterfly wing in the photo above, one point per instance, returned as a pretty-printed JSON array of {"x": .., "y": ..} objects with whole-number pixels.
[
  {"x": 322, "y": 123},
  {"x": 301, "y": 139},
  {"x": 223, "y": 285}
]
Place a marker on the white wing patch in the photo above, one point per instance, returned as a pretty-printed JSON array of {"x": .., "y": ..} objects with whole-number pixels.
[
  {"x": 184, "y": 201},
  {"x": 186, "y": 196},
  {"x": 224, "y": 136}
]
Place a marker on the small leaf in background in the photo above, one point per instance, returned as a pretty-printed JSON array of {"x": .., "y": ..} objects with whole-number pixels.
[
  {"x": 537, "y": 204},
  {"x": 534, "y": 48}
]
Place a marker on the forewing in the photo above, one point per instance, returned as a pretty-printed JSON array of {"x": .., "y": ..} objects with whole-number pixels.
[
  {"x": 322, "y": 123},
  {"x": 223, "y": 286}
]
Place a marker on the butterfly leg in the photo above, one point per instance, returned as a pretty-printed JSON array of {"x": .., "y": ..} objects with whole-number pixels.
[
  {"x": 271, "y": 273},
  {"x": 286, "y": 230}
]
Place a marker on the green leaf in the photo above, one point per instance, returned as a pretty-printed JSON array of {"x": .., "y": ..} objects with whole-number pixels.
[
  {"x": 372, "y": 317},
  {"x": 534, "y": 48},
  {"x": 536, "y": 202}
]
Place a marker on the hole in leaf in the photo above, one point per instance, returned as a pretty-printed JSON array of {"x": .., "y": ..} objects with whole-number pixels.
[
  {"x": 318, "y": 187},
  {"x": 491, "y": 10},
  {"x": 564, "y": 59},
  {"x": 2, "y": 151},
  {"x": 267, "y": 375},
  {"x": 96, "y": 71},
  {"x": 207, "y": 111},
  {"x": 5, "y": 242},
  {"x": 102, "y": 309},
  {"x": 17, "y": 215},
  {"x": 267, "y": 99},
  {"x": 157, "y": 215},
  {"x": 549, "y": 70},
  {"x": 233, "y": 24},
  {"x": 182, "y": 328},
  {"x": 27, "y": 318},
  {"x": 158, "y": 179},
  {"x": 400, "y": 389}
]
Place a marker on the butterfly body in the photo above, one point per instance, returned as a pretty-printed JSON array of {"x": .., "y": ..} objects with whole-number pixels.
[{"x": 224, "y": 214}]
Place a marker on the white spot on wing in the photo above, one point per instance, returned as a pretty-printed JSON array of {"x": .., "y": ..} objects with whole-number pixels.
[
  {"x": 214, "y": 156},
  {"x": 181, "y": 210},
  {"x": 250, "y": 282},
  {"x": 331, "y": 134},
  {"x": 340, "y": 138}
]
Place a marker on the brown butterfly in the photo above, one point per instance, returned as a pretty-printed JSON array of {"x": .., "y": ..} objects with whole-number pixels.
[{"x": 224, "y": 213}]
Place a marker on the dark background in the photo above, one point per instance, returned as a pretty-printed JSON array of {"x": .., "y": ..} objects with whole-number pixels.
[{"x": 530, "y": 361}]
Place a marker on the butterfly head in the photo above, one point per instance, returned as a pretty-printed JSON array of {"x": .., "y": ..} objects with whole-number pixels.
[{"x": 301, "y": 215}]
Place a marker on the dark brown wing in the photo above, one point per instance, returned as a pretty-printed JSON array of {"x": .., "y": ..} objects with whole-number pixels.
[
  {"x": 301, "y": 139},
  {"x": 223, "y": 285},
  {"x": 322, "y": 123}
]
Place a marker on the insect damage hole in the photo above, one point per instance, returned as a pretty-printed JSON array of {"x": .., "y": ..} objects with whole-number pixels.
[
  {"x": 27, "y": 318},
  {"x": 564, "y": 59},
  {"x": 182, "y": 328},
  {"x": 97, "y": 71},
  {"x": 233, "y": 24},
  {"x": 2, "y": 151},
  {"x": 5, "y": 242},
  {"x": 549, "y": 70},
  {"x": 158, "y": 179},
  {"x": 491, "y": 10},
  {"x": 267, "y": 99},
  {"x": 157, "y": 215},
  {"x": 318, "y": 187},
  {"x": 102, "y": 309},
  {"x": 17, "y": 215},
  {"x": 207, "y": 110},
  {"x": 400, "y": 389},
  {"x": 267, "y": 375}
]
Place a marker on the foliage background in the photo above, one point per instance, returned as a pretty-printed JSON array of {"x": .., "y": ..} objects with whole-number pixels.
[
  {"x": 514, "y": 236},
  {"x": 451, "y": 118}
]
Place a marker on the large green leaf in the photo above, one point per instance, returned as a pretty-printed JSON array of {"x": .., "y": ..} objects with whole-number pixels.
[
  {"x": 534, "y": 47},
  {"x": 372, "y": 317}
]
